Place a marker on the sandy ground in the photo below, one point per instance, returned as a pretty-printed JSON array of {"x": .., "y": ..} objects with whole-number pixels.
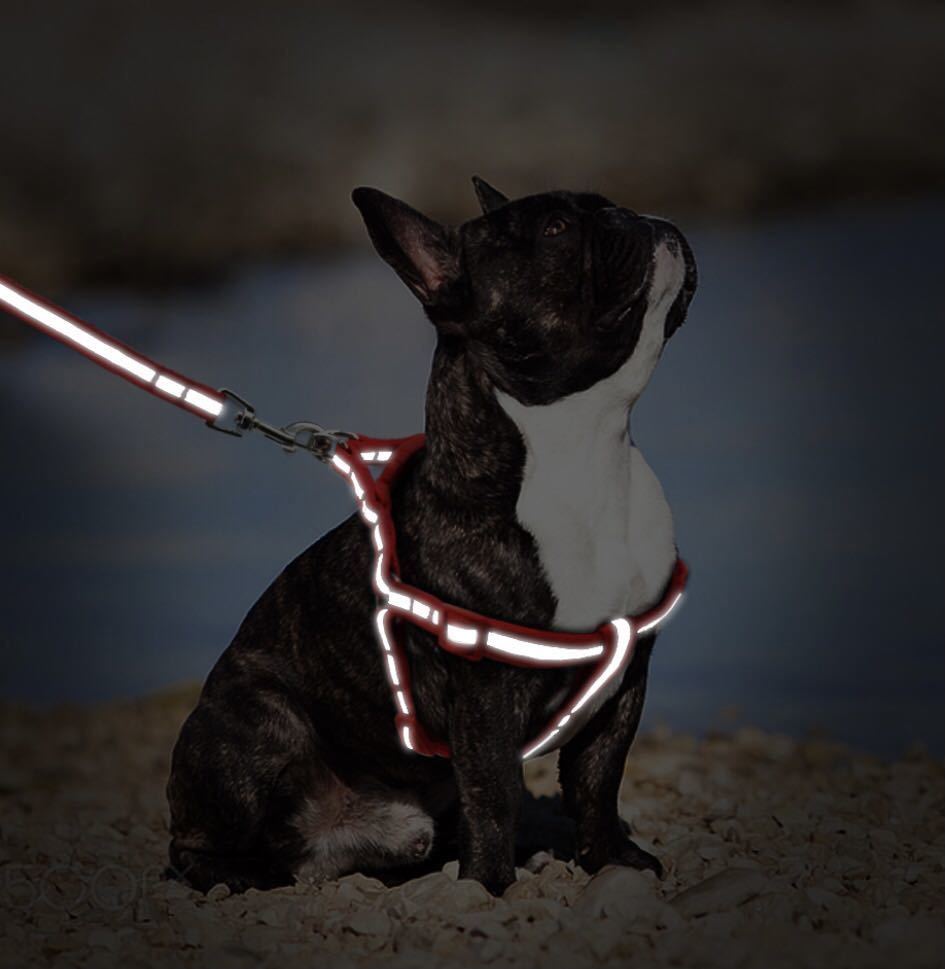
[
  {"x": 148, "y": 140},
  {"x": 778, "y": 853}
]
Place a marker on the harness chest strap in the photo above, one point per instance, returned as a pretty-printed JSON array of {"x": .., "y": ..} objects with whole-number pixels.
[{"x": 607, "y": 650}]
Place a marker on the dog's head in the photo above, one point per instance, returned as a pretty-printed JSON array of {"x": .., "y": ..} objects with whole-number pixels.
[{"x": 547, "y": 294}]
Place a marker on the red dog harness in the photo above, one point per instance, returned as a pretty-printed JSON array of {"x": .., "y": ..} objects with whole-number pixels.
[{"x": 607, "y": 650}]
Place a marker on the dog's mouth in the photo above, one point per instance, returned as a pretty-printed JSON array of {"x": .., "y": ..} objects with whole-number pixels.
[
  {"x": 621, "y": 254},
  {"x": 677, "y": 312},
  {"x": 625, "y": 260},
  {"x": 629, "y": 312}
]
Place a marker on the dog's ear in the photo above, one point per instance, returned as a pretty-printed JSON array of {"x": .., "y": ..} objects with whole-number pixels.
[
  {"x": 489, "y": 197},
  {"x": 422, "y": 252}
]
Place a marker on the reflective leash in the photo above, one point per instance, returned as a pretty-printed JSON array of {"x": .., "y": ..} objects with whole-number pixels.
[
  {"x": 607, "y": 650},
  {"x": 222, "y": 410}
]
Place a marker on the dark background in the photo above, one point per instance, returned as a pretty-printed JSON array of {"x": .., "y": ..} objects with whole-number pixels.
[{"x": 180, "y": 176}]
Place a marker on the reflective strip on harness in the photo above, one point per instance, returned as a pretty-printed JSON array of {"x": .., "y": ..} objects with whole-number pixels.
[{"x": 472, "y": 635}]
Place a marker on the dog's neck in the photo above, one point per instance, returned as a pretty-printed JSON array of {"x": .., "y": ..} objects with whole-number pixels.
[
  {"x": 477, "y": 436},
  {"x": 474, "y": 453},
  {"x": 567, "y": 473}
]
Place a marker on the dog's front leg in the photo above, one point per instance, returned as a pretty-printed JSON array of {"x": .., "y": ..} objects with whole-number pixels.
[
  {"x": 488, "y": 768},
  {"x": 590, "y": 768}
]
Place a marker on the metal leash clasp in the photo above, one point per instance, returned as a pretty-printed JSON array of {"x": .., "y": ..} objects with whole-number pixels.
[{"x": 238, "y": 417}]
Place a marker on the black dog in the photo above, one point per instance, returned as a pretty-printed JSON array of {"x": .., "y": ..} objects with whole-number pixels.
[{"x": 528, "y": 504}]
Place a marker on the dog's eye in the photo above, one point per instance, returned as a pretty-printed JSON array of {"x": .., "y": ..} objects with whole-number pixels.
[{"x": 554, "y": 227}]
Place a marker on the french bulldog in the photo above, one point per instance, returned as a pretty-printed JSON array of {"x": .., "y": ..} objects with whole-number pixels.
[{"x": 529, "y": 503}]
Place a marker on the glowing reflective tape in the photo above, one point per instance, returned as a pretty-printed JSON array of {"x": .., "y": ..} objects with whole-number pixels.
[
  {"x": 545, "y": 739},
  {"x": 378, "y": 540},
  {"x": 384, "y": 455},
  {"x": 399, "y": 600},
  {"x": 616, "y": 664},
  {"x": 76, "y": 335},
  {"x": 420, "y": 609},
  {"x": 624, "y": 640},
  {"x": 379, "y": 581},
  {"x": 168, "y": 386},
  {"x": 368, "y": 514},
  {"x": 526, "y": 649},
  {"x": 402, "y": 702},
  {"x": 461, "y": 635},
  {"x": 405, "y": 736},
  {"x": 368, "y": 455},
  {"x": 380, "y": 618},
  {"x": 340, "y": 463},
  {"x": 537, "y": 746},
  {"x": 663, "y": 615},
  {"x": 435, "y": 618},
  {"x": 392, "y": 669},
  {"x": 201, "y": 401},
  {"x": 356, "y": 486}
]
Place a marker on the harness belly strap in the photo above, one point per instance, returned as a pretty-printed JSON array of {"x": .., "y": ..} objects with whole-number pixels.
[{"x": 607, "y": 650}]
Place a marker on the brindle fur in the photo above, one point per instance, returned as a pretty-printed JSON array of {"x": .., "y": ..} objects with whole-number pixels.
[{"x": 290, "y": 766}]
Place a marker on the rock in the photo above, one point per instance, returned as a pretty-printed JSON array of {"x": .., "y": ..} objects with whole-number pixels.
[
  {"x": 605, "y": 939},
  {"x": 271, "y": 915},
  {"x": 537, "y": 909},
  {"x": 917, "y": 933},
  {"x": 427, "y": 887},
  {"x": 690, "y": 784},
  {"x": 538, "y": 861},
  {"x": 522, "y": 889},
  {"x": 776, "y": 907},
  {"x": 823, "y": 899},
  {"x": 368, "y": 921},
  {"x": 554, "y": 869},
  {"x": 609, "y": 891},
  {"x": 469, "y": 895},
  {"x": 484, "y": 923},
  {"x": 488, "y": 950},
  {"x": 103, "y": 939},
  {"x": 725, "y": 890},
  {"x": 218, "y": 893}
]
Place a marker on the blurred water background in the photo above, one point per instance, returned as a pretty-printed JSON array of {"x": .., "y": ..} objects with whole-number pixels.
[{"x": 186, "y": 189}]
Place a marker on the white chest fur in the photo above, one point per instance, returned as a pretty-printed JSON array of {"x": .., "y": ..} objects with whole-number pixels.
[
  {"x": 597, "y": 512},
  {"x": 593, "y": 505}
]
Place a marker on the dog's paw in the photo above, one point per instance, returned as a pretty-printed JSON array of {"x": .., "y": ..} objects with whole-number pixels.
[
  {"x": 410, "y": 832},
  {"x": 495, "y": 880},
  {"x": 631, "y": 855},
  {"x": 314, "y": 872},
  {"x": 619, "y": 850}
]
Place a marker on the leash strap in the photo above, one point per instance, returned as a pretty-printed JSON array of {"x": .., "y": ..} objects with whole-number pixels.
[{"x": 222, "y": 410}]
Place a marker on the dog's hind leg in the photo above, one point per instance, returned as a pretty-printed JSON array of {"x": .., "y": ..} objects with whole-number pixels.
[
  {"x": 242, "y": 761},
  {"x": 348, "y": 829}
]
